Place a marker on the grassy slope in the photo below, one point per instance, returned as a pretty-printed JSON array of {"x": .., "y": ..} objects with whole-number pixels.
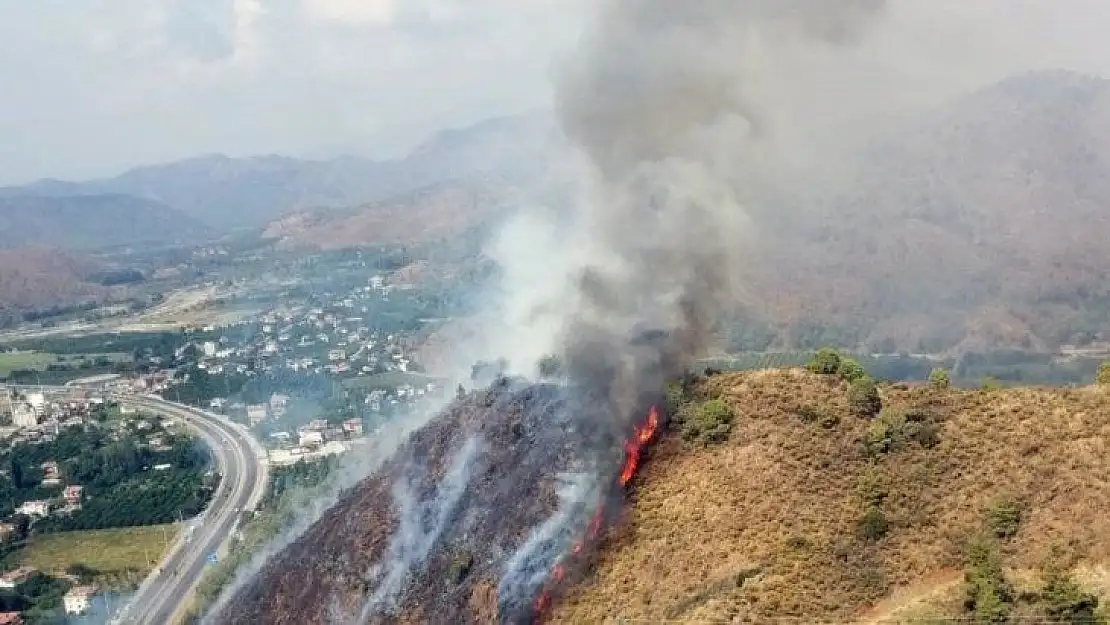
[
  {"x": 781, "y": 496},
  {"x": 120, "y": 555}
]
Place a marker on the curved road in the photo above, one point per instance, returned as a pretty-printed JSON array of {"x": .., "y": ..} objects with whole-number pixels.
[{"x": 163, "y": 596}]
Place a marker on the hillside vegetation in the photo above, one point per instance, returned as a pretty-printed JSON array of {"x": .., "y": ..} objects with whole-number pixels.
[{"x": 984, "y": 504}]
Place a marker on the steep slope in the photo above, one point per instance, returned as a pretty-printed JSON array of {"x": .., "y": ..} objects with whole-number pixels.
[
  {"x": 93, "y": 221},
  {"x": 229, "y": 192},
  {"x": 461, "y": 526},
  {"x": 982, "y": 224},
  {"x": 767, "y": 524}
]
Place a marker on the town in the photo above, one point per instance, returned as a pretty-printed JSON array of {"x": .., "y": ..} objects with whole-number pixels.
[{"x": 310, "y": 380}]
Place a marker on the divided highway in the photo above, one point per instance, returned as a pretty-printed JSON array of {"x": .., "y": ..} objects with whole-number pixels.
[{"x": 164, "y": 595}]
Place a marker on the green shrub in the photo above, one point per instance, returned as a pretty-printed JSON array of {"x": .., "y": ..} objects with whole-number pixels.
[
  {"x": 825, "y": 362},
  {"x": 461, "y": 564},
  {"x": 710, "y": 422},
  {"x": 675, "y": 397},
  {"x": 1004, "y": 517},
  {"x": 938, "y": 378},
  {"x": 1063, "y": 601},
  {"x": 989, "y": 383},
  {"x": 1103, "y": 375},
  {"x": 872, "y": 487},
  {"x": 872, "y": 526},
  {"x": 817, "y": 414},
  {"x": 850, "y": 370},
  {"x": 863, "y": 398},
  {"x": 887, "y": 432},
  {"x": 989, "y": 597}
]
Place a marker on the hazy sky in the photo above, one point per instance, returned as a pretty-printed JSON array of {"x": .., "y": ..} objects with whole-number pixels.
[{"x": 91, "y": 87}]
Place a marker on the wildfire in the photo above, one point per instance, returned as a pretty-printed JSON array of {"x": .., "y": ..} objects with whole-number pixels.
[
  {"x": 633, "y": 450},
  {"x": 635, "y": 446}
]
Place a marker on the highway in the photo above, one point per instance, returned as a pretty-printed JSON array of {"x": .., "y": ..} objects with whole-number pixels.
[{"x": 164, "y": 595}]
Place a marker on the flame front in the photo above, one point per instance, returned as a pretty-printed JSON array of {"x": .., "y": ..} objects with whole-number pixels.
[
  {"x": 634, "y": 447},
  {"x": 633, "y": 450}
]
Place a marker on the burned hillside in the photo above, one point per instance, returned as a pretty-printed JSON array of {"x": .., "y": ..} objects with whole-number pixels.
[{"x": 468, "y": 523}]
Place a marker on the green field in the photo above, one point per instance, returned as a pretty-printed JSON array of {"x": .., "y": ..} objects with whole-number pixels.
[
  {"x": 388, "y": 380},
  {"x": 39, "y": 361},
  {"x": 119, "y": 556},
  {"x": 24, "y": 360}
]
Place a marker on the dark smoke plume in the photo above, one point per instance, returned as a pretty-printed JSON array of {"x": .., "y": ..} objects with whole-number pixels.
[{"x": 659, "y": 98}]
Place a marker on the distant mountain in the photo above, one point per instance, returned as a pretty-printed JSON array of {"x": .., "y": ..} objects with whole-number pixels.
[
  {"x": 985, "y": 223},
  {"x": 93, "y": 221},
  {"x": 230, "y": 193},
  {"x": 36, "y": 279}
]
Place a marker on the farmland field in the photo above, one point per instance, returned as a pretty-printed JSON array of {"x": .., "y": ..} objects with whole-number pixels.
[{"x": 118, "y": 556}]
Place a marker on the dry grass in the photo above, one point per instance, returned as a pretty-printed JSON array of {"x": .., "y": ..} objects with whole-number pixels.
[{"x": 781, "y": 496}]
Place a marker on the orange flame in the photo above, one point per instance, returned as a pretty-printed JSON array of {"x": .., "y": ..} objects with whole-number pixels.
[
  {"x": 643, "y": 435},
  {"x": 633, "y": 449}
]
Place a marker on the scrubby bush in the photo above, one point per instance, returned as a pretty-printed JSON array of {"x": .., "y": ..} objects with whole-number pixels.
[
  {"x": 816, "y": 414},
  {"x": 989, "y": 596},
  {"x": 1004, "y": 517},
  {"x": 850, "y": 370},
  {"x": 872, "y": 487},
  {"x": 894, "y": 428},
  {"x": 709, "y": 422},
  {"x": 675, "y": 398},
  {"x": 938, "y": 378},
  {"x": 1063, "y": 601},
  {"x": 825, "y": 362},
  {"x": 872, "y": 526},
  {"x": 863, "y": 398},
  {"x": 1103, "y": 375},
  {"x": 461, "y": 564},
  {"x": 887, "y": 432}
]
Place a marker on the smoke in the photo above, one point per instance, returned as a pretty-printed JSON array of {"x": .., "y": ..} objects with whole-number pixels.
[
  {"x": 662, "y": 99},
  {"x": 311, "y": 505},
  {"x": 421, "y": 523},
  {"x": 530, "y": 565},
  {"x": 664, "y": 104}
]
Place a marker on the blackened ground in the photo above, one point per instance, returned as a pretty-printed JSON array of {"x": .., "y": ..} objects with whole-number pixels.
[{"x": 527, "y": 437}]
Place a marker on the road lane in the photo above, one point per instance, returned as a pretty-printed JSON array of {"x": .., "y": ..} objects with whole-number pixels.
[{"x": 164, "y": 595}]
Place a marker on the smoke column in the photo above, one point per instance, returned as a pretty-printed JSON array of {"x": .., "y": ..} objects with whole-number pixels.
[{"x": 660, "y": 99}]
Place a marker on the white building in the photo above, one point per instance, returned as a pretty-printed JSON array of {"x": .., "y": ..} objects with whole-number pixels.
[
  {"x": 209, "y": 348},
  {"x": 310, "y": 437},
  {"x": 24, "y": 416},
  {"x": 256, "y": 414},
  {"x": 77, "y": 599},
  {"x": 35, "y": 508},
  {"x": 37, "y": 401}
]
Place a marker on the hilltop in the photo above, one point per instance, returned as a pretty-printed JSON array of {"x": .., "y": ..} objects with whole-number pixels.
[
  {"x": 94, "y": 221},
  {"x": 795, "y": 515},
  {"x": 225, "y": 192}
]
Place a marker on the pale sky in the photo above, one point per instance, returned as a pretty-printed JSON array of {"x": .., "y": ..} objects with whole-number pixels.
[{"x": 92, "y": 87}]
